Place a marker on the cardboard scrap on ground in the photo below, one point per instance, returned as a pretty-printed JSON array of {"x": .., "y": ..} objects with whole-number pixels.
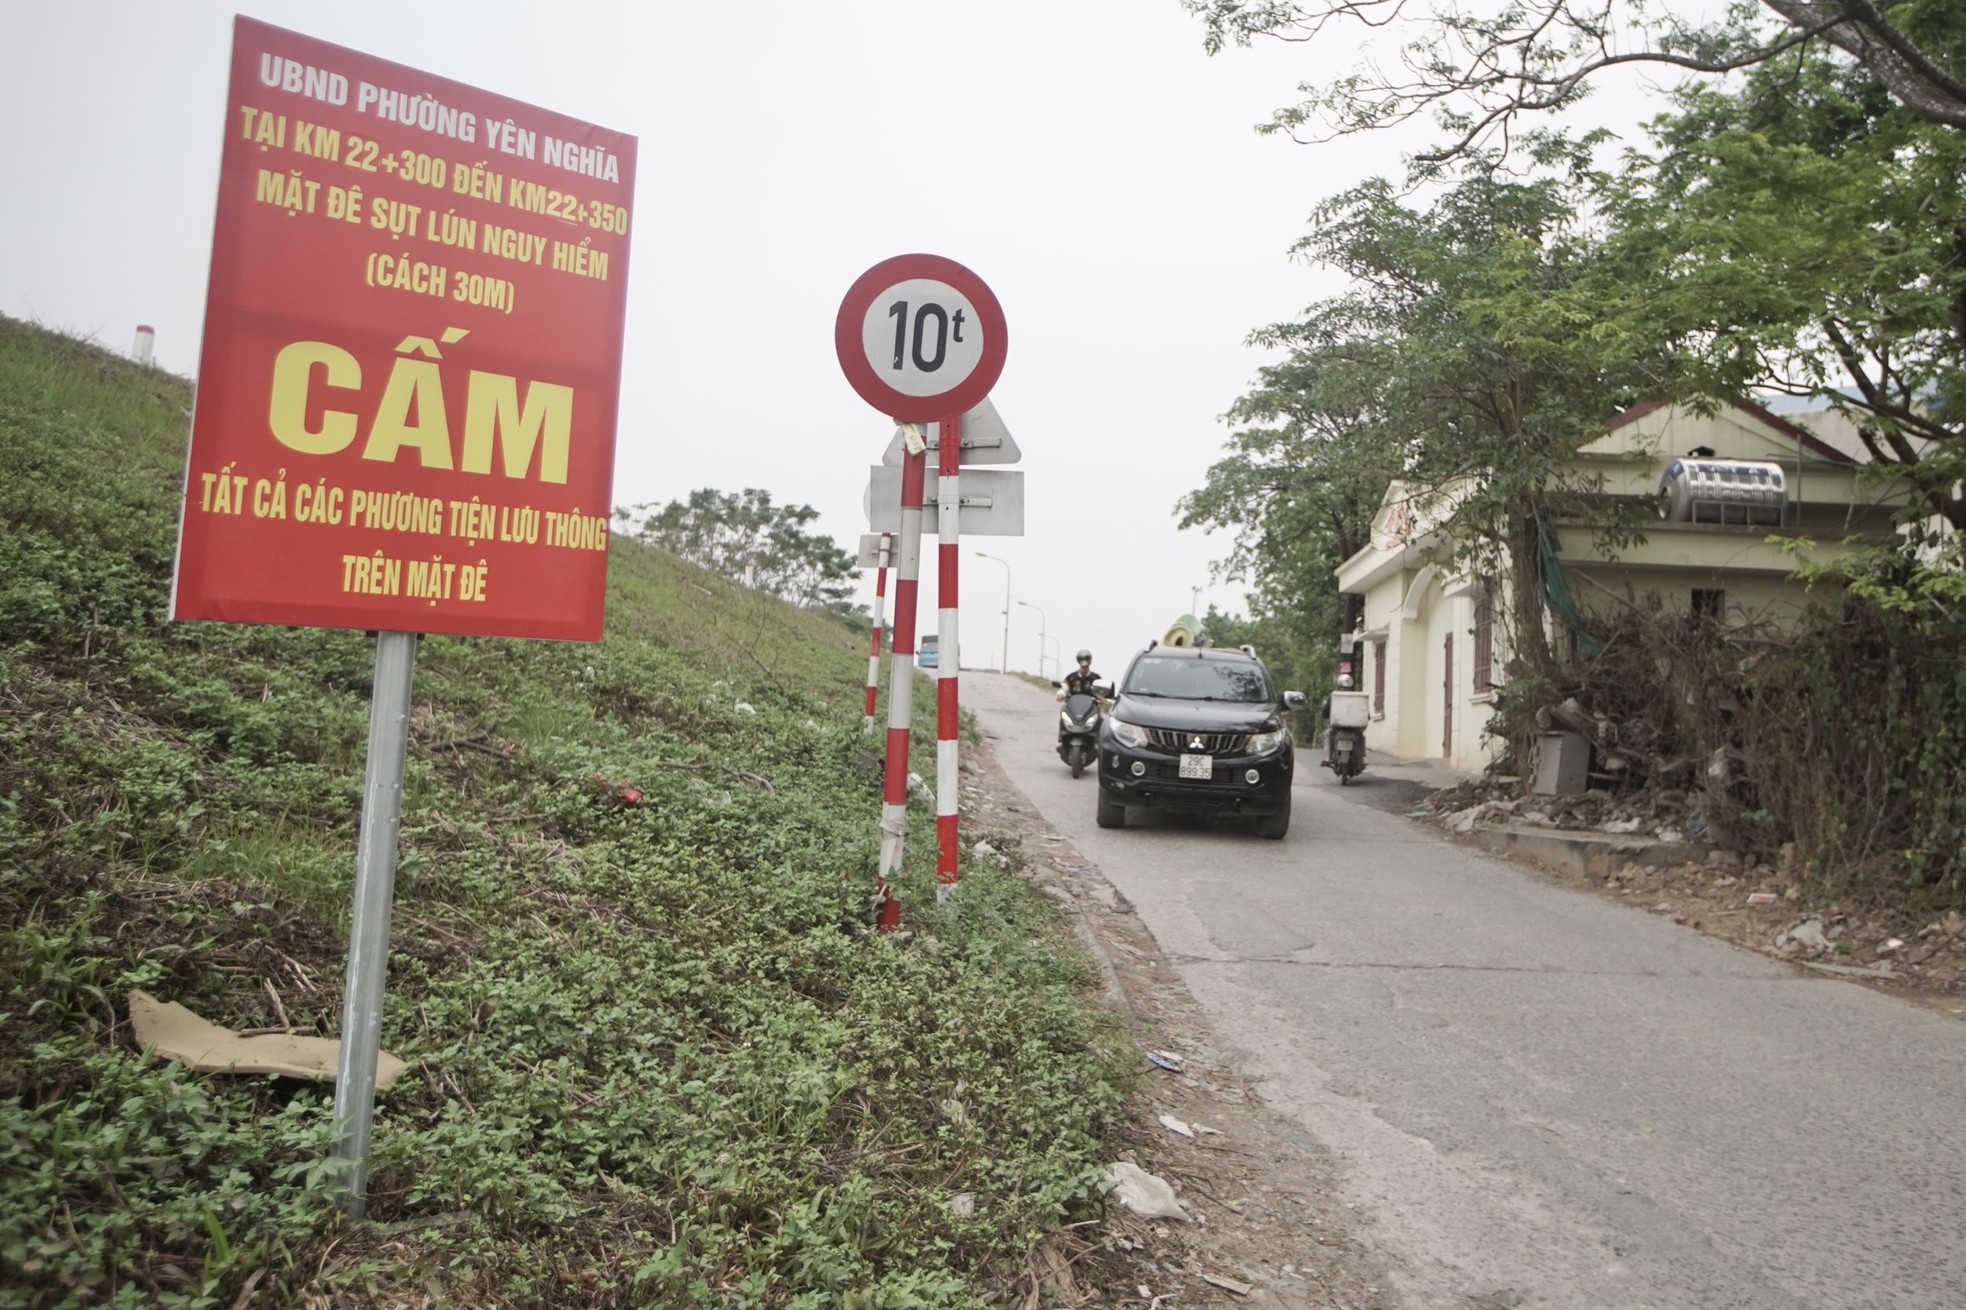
[{"x": 178, "y": 1034}]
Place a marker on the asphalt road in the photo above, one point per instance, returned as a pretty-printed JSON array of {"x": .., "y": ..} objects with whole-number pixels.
[{"x": 1541, "y": 1094}]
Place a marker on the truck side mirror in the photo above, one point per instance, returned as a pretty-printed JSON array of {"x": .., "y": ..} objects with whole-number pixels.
[
  {"x": 1293, "y": 700},
  {"x": 1103, "y": 690}
]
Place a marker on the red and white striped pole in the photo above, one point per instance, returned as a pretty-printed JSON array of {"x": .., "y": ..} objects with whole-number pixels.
[
  {"x": 948, "y": 509},
  {"x": 901, "y": 678},
  {"x": 874, "y": 646}
]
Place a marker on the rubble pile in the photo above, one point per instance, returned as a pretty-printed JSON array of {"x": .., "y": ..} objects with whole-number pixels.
[{"x": 1665, "y": 814}]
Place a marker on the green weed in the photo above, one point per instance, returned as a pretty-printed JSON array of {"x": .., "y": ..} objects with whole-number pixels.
[{"x": 657, "y": 1055}]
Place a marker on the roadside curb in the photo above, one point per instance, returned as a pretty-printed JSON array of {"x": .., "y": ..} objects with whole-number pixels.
[{"x": 1593, "y": 855}]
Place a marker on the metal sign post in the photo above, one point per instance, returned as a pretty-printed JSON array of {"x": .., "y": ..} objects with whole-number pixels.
[
  {"x": 920, "y": 338},
  {"x": 368, "y": 930},
  {"x": 883, "y": 549},
  {"x": 900, "y": 687},
  {"x": 948, "y": 514}
]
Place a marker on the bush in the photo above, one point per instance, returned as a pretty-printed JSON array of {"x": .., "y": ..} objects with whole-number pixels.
[{"x": 1844, "y": 734}]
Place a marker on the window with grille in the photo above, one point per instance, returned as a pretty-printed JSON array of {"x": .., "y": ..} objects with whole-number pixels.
[{"x": 1484, "y": 645}]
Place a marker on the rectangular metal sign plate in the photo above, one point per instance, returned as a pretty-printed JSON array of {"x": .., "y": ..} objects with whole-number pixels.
[
  {"x": 870, "y": 551},
  {"x": 412, "y": 354},
  {"x": 992, "y": 502}
]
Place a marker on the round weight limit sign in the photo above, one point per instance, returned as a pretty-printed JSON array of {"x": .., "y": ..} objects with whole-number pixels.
[{"x": 920, "y": 338}]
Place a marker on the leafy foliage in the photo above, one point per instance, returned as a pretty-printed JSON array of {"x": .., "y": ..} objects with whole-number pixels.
[
  {"x": 1299, "y": 489},
  {"x": 1865, "y": 794},
  {"x": 1480, "y": 341},
  {"x": 1807, "y": 231},
  {"x": 657, "y": 1054},
  {"x": 1479, "y": 69}
]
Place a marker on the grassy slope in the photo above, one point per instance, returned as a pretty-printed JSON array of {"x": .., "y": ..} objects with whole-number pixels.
[{"x": 657, "y": 1058}]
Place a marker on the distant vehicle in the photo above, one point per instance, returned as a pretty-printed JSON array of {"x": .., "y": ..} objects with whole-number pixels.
[
  {"x": 1199, "y": 729},
  {"x": 1347, "y": 711},
  {"x": 928, "y": 652}
]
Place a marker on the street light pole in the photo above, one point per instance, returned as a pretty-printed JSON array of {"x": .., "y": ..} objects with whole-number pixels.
[
  {"x": 1029, "y": 606},
  {"x": 1005, "y": 666}
]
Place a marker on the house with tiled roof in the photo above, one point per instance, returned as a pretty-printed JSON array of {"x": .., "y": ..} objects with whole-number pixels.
[{"x": 1730, "y": 504}]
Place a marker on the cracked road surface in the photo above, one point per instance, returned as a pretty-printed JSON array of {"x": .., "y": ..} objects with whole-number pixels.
[{"x": 1541, "y": 1096}]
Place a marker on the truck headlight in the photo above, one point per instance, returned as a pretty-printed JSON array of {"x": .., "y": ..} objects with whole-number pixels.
[
  {"x": 1262, "y": 743},
  {"x": 1127, "y": 734}
]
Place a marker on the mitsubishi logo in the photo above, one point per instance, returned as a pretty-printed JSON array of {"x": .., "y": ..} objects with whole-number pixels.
[{"x": 1194, "y": 743}]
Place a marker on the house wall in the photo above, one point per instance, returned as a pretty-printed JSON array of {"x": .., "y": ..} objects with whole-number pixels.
[
  {"x": 1747, "y": 595},
  {"x": 1753, "y": 566},
  {"x": 1824, "y": 491},
  {"x": 1819, "y": 484},
  {"x": 1472, "y": 749},
  {"x": 1381, "y": 614},
  {"x": 1419, "y": 676},
  {"x": 1416, "y": 699}
]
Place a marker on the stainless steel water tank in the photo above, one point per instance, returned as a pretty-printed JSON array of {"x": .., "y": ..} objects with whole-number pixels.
[{"x": 1723, "y": 491}]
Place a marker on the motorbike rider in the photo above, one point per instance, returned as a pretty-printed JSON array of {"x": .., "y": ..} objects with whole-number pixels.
[{"x": 1081, "y": 679}]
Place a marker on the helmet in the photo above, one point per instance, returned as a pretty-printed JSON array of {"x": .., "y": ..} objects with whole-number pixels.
[{"x": 1085, "y": 657}]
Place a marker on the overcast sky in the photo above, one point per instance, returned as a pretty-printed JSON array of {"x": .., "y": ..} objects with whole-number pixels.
[{"x": 1084, "y": 157}]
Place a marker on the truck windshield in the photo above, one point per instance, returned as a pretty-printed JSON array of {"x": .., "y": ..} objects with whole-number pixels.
[{"x": 1194, "y": 679}]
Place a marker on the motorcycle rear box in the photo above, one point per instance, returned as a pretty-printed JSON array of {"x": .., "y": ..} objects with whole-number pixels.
[{"x": 1350, "y": 709}]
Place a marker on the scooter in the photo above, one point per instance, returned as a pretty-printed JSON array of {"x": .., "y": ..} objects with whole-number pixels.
[
  {"x": 1344, "y": 737},
  {"x": 1078, "y": 731}
]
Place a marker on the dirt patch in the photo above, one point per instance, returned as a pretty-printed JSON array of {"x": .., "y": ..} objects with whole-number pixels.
[
  {"x": 1752, "y": 900},
  {"x": 1265, "y": 1225},
  {"x": 1756, "y": 907}
]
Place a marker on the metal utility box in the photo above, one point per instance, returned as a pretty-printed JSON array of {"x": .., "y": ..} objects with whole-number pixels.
[
  {"x": 1350, "y": 709},
  {"x": 1563, "y": 763}
]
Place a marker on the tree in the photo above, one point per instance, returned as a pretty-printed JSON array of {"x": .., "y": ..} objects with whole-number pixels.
[
  {"x": 1299, "y": 489},
  {"x": 1801, "y": 226},
  {"x": 1808, "y": 233},
  {"x": 744, "y": 536},
  {"x": 1480, "y": 71},
  {"x": 1489, "y": 330}
]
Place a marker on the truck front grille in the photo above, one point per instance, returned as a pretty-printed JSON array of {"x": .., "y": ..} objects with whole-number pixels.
[{"x": 1198, "y": 743}]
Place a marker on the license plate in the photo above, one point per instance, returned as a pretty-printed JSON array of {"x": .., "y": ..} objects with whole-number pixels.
[{"x": 1197, "y": 766}]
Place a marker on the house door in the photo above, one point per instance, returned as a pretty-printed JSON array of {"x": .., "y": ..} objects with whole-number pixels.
[{"x": 1447, "y": 698}]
